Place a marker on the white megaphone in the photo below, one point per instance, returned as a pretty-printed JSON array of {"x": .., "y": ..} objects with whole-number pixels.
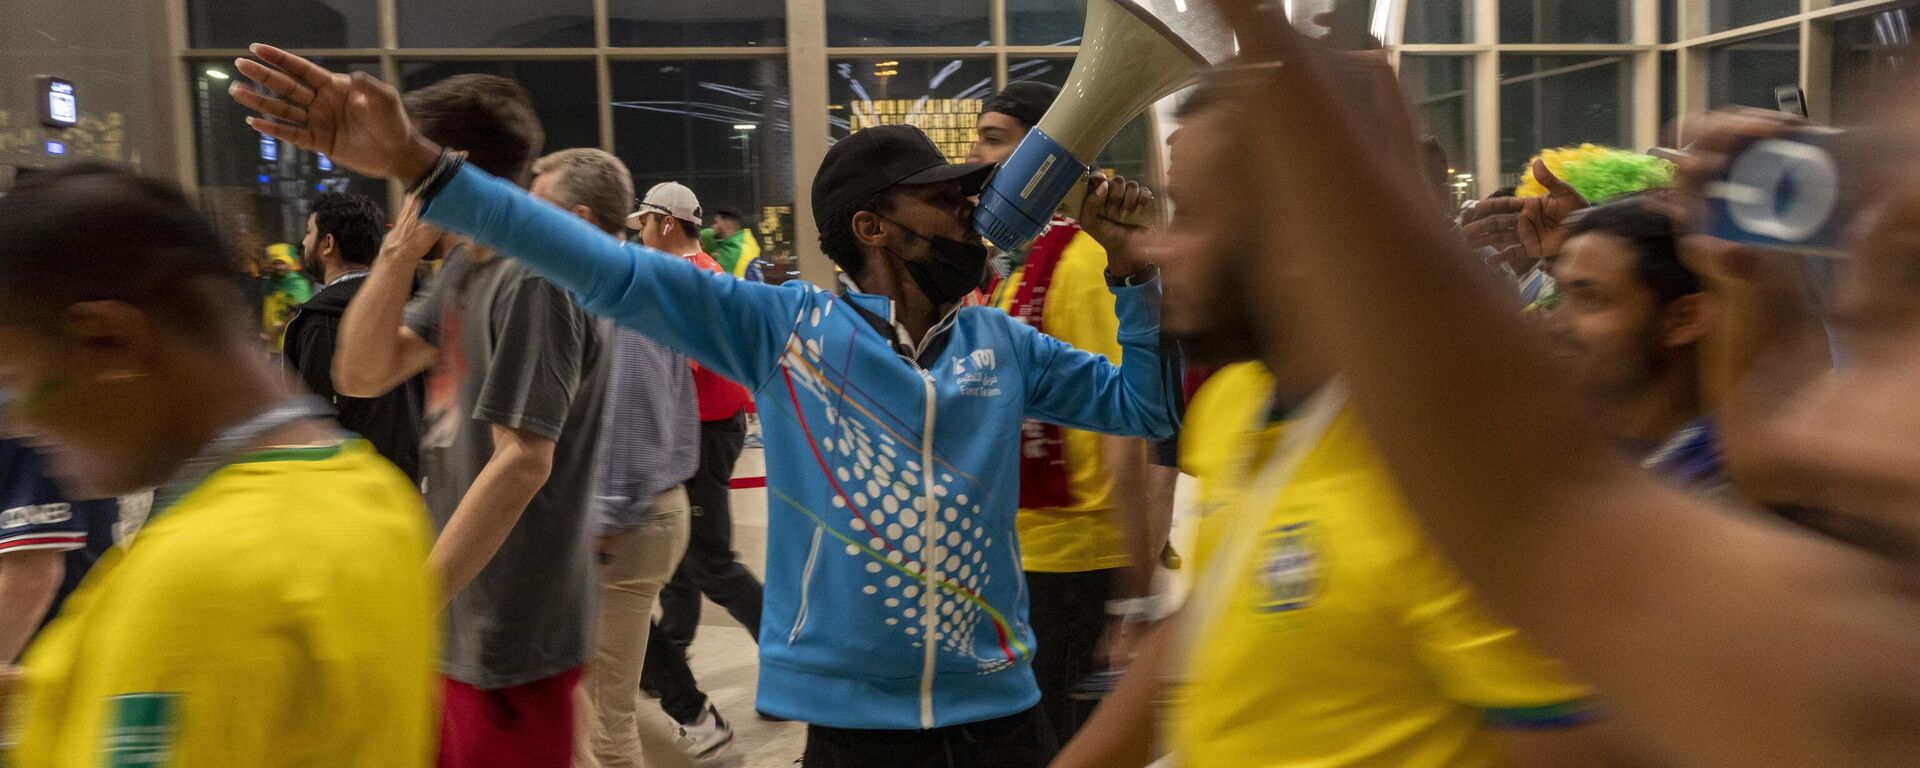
[{"x": 1133, "y": 53}]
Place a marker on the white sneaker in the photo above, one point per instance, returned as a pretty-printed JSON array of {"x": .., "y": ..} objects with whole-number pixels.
[{"x": 706, "y": 737}]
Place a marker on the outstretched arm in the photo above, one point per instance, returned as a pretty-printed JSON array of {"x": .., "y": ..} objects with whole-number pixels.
[
  {"x": 737, "y": 328},
  {"x": 1732, "y": 639}
]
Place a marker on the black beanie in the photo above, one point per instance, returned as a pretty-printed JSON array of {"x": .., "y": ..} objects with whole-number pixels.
[{"x": 1024, "y": 101}]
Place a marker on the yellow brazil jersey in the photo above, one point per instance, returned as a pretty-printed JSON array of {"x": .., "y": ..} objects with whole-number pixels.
[
  {"x": 281, "y": 613},
  {"x": 1345, "y": 639},
  {"x": 1078, "y": 311}
]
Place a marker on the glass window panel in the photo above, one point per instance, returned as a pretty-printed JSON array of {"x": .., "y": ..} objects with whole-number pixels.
[
  {"x": 1564, "y": 21},
  {"x": 1669, "y": 98},
  {"x": 1557, "y": 101},
  {"x": 496, "y": 23},
  {"x": 257, "y": 189},
  {"x": 720, "y": 127},
  {"x": 1440, "y": 89},
  {"x": 1127, "y": 154},
  {"x": 289, "y": 23},
  {"x": 1746, "y": 72},
  {"x": 711, "y": 22},
  {"x": 1669, "y": 21},
  {"x": 1867, "y": 52},
  {"x": 564, "y": 93},
  {"x": 1438, "y": 21},
  {"x": 1045, "y": 22},
  {"x": 1723, "y": 15},
  {"x": 872, "y": 23},
  {"x": 942, "y": 96}
]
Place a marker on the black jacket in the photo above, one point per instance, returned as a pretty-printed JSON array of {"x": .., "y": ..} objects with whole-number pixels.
[{"x": 391, "y": 422}]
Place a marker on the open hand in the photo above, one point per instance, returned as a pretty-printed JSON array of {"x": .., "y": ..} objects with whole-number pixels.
[{"x": 354, "y": 119}]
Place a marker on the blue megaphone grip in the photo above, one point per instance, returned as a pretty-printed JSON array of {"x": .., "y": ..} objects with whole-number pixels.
[{"x": 1016, "y": 206}]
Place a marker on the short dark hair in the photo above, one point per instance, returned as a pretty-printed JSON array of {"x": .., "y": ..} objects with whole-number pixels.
[
  {"x": 729, "y": 213},
  {"x": 1025, "y": 101},
  {"x": 488, "y": 116},
  {"x": 688, "y": 228},
  {"x": 355, "y": 221},
  {"x": 1654, "y": 239},
  {"x": 175, "y": 267},
  {"x": 836, "y": 233}
]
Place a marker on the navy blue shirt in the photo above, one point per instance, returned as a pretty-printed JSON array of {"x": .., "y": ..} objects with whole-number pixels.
[{"x": 36, "y": 515}]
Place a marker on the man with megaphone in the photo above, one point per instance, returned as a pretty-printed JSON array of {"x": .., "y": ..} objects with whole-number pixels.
[{"x": 894, "y": 620}]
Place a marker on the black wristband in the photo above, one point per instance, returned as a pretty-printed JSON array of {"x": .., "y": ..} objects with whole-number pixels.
[{"x": 443, "y": 171}]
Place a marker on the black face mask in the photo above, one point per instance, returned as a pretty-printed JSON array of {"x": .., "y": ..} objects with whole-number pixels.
[{"x": 955, "y": 268}]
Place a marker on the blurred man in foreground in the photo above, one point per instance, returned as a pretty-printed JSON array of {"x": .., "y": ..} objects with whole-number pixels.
[
  {"x": 274, "y": 609},
  {"x": 1323, "y": 629}
]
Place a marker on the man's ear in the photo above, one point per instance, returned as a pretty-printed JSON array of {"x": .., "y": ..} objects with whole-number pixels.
[
  {"x": 585, "y": 214},
  {"x": 1687, "y": 319},
  {"x": 327, "y": 243},
  {"x": 867, "y": 229}
]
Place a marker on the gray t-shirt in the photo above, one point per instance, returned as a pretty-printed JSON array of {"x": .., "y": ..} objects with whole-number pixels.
[{"x": 515, "y": 351}]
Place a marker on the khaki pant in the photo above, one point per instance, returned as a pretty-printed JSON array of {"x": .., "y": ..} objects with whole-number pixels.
[{"x": 637, "y": 563}]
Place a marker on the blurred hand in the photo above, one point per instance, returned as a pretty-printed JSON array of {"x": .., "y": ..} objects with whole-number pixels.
[
  {"x": 1536, "y": 226},
  {"x": 410, "y": 239},
  {"x": 1108, "y": 213},
  {"x": 355, "y": 120}
]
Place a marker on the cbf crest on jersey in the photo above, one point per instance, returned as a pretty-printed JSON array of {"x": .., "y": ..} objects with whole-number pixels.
[{"x": 1289, "y": 573}]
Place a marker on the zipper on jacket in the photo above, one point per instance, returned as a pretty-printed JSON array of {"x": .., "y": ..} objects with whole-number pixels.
[
  {"x": 929, "y": 597},
  {"x": 806, "y": 587}
]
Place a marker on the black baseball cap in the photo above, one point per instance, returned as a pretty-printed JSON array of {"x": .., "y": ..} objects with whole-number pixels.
[{"x": 874, "y": 159}]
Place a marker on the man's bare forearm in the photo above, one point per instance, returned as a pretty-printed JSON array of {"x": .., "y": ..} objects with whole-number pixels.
[
  {"x": 28, "y": 581},
  {"x": 371, "y": 357},
  {"x": 1121, "y": 732},
  {"x": 1126, "y": 458},
  {"x": 488, "y": 513}
]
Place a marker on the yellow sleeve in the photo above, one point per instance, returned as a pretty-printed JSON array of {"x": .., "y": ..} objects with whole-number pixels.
[{"x": 1478, "y": 661}]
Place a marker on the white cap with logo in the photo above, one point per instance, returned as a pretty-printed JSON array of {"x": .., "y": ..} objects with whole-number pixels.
[{"x": 671, "y": 198}]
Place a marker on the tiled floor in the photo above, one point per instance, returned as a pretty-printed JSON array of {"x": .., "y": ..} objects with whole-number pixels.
[{"x": 724, "y": 660}]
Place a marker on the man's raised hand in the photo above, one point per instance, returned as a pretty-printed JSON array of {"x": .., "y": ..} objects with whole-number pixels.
[{"x": 354, "y": 119}]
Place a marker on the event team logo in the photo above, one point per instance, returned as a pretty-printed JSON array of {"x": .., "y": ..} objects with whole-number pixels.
[{"x": 1289, "y": 573}]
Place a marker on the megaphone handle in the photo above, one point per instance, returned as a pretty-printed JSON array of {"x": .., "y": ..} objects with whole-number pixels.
[{"x": 1148, "y": 215}]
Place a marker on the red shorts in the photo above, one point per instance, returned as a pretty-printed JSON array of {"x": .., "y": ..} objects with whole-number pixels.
[{"x": 526, "y": 726}]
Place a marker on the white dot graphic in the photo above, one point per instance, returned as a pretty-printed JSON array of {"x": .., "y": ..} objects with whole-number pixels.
[
  {"x": 869, "y": 589},
  {"x": 873, "y": 568}
]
